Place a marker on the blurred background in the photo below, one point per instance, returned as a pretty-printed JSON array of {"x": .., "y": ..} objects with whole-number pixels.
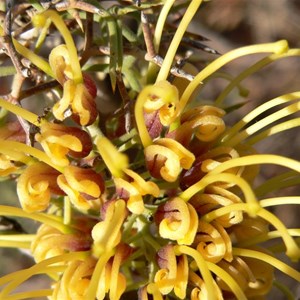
[{"x": 228, "y": 24}]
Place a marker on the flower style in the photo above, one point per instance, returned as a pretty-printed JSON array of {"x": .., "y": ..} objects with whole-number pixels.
[
  {"x": 35, "y": 186},
  {"x": 59, "y": 140}
]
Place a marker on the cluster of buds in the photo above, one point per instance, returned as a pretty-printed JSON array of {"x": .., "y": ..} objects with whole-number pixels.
[{"x": 164, "y": 208}]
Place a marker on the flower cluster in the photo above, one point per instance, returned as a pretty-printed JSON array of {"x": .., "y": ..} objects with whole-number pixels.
[{"x": 157, "y": 200}]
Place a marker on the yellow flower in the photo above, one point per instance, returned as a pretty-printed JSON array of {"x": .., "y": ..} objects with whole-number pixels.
[
  {"x": 173, "y": 273},
  {"x": 11, "y": 131},
  {"x": 35, "y": 186},
  {"x": 83, "y": 186},
  {"x": 59, "y": 140},
  {"x": 107, "y": 233},
  {"x": 132, "y": 188},
  {"x": 77, "y": 96},
  {"x": 177, "y": 221},
  {"x": 50, "y": 242},
  {"x": 165, "y": 159}
]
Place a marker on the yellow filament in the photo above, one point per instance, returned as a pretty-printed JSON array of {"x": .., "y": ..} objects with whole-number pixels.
[
  {"x": 50, "y": 220},
  {"x": 268, "y": 236},
  {"x": 139, "y": 115},
  {"x": 268, "y": 259},
  {"x": 238, "y": 138},
  {"x": 257, "y": 111},
  {"x": 252, "y": 204},
  {"x": 292, "y": 249},
  {"x": 16, "y": 240},
  {"x": 7, "y": 146},
  {"x": 280, "y": 201},
  {"x": 273, "y": 130},
  {"x": 255, "y": 160},
  {"x": 35, "y": 59},
  {"x": 161, "y": 22},
  {"x": 62, "y": 28},
  {"x": 289, "y": 178},
  {"x": 277, "y": 47},
  {"x": 202, "y": 266},
  {"x": 21, "y": 112},
  {"x": 93, "y": 285},
  {"x": 30, "y": 294},
  {"x": 168, "y": 60},
  {"x": 115, "y": 161},
  {"x": 152, "y": 289},
  {"x": 235, "y": 288},
  {"x": 41, "y": 267},
  {"x": 257, "y": 66}
]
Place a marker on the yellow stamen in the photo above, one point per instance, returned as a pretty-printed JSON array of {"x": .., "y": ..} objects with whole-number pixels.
[
  {"x": 33, "y": 58},
  {"x": 277, "y": 47},
  {"x": 93, "y": 286},
  {"x": 257, "y": 111},
  {"x": 16, "y": 240},
  {"x": 203, "y": 268},
  {"x": 252, "y": 204},
  {"x": 50, "y": 220},
  {"x": 7, "y": 146},
  {"x": 269, "y": 259},
  {"x": 270, "y": 119},
  {"x": 62, "y": 28},
  {"x": 249, "y": 71},
  {"x": 21, "y": 112},
  {"x": 115, "y": 161},
  {"x": 187, "y": 17},
  {"x": 292, "y": 249},
  {"x": 41, "y": 267},
  {"x": 235, "y": 288},
  {"x": 273, "y": 130}
]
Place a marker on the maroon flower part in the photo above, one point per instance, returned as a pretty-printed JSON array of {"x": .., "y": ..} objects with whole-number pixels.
[
  {"x": 78, "y": 95},
  {"x": 205, "y": 122},
  {"x": 13, "y": 131},
  {"x": 35, "y": 186},
  {"x": 153, "y": 124},
  {"x": 173, "y": 273},
  {"x": 50, "y": 242},
  {"x": 83, "y": 187},
  {"x": 59, "y": 140},
  {"x": 206, "y": 162}
]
